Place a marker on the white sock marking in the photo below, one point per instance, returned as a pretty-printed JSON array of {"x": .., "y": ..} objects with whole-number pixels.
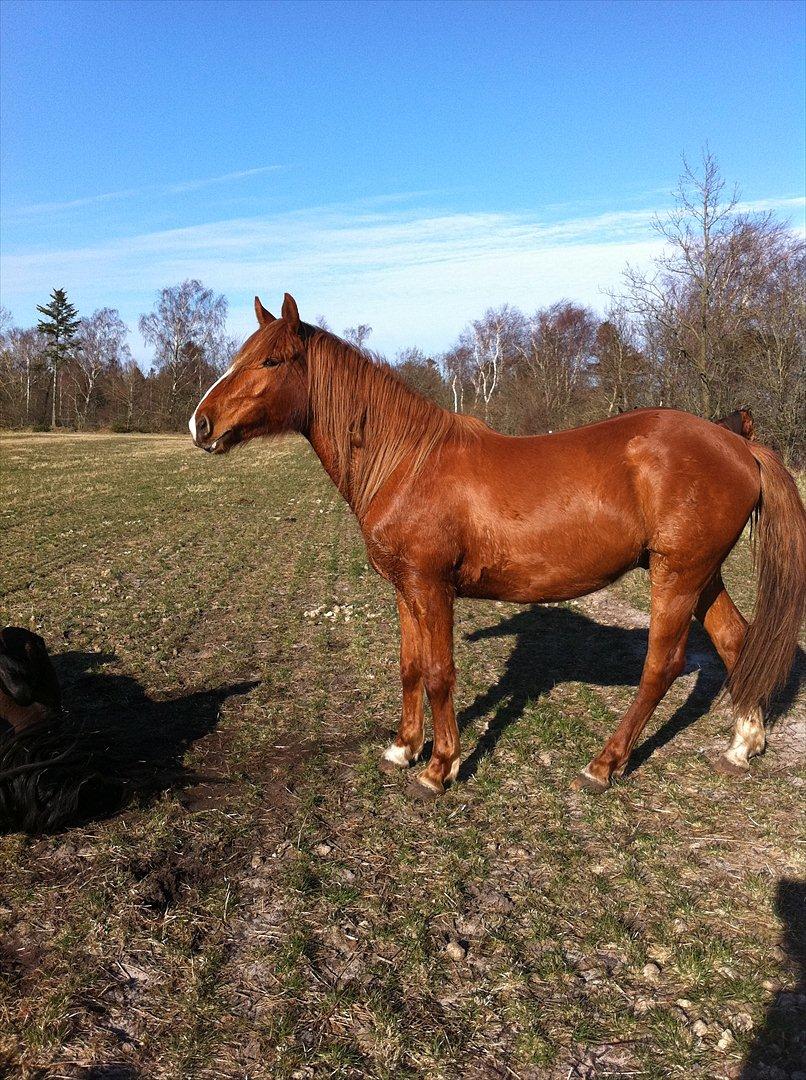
[
  {"x": 748, "y": 738},
  {"x": 398, "y": 755}
]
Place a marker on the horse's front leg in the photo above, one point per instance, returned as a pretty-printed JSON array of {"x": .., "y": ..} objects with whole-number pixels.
[
  {"x": 408, "y": 745},
  {"x": 431, "y": 605}
]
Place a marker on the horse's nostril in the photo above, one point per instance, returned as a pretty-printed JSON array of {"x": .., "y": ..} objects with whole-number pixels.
[{"x": 203, "y": 427}]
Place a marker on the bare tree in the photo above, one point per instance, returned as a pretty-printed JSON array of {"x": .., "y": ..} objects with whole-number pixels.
[
  {"x": 185, "y": 328},
  {"x": 100, "y": 347},
  {"x": 480, "y": 358},
  {"x": 356, "y": 335},
  {"x": 693, "y": 302},
  {"x": 127, "y": 391},
  {"x": 23, "y": 373},
  {"x": 771, "y": 354},
  {"x": 422, "y": 374},
  {"x": 555, "y": 354},
  {"x": 620, "y": 368}
]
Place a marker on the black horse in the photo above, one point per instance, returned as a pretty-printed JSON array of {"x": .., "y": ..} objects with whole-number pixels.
[
  {"x": 29, "y": 689},
  {"x": 110, "y": 745}
]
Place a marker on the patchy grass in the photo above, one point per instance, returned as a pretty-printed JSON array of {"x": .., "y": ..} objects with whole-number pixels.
[{"x": 291, "y": 913}]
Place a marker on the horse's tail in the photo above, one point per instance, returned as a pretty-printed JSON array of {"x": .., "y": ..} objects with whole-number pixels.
[{"x": 769, "y": 647}]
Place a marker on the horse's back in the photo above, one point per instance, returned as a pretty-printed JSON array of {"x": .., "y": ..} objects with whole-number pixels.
[
  {"x": 656, "y": 444},
  {"x": 652, "y": 479},
  {"x": 685, "y": 479}
]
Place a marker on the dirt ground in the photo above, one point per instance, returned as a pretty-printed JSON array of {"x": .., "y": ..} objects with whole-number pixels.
[{"x": 269, "y": 904}]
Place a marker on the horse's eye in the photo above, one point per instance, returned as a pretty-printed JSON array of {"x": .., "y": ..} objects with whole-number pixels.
[{"x": 271, "y": 362}]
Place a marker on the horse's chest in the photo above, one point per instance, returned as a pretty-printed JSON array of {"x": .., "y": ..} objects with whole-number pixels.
[{"x": 387, "y": 560}]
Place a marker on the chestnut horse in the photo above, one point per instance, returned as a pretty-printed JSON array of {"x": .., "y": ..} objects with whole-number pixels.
[{"x": 448, "y": 508}]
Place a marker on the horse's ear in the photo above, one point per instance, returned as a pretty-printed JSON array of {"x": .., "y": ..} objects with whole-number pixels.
[
  {"x": 291, "y": 312},
  {"x": 264, "y": 317}
]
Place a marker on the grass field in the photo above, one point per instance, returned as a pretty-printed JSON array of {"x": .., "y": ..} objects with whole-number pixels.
[{"x": 288, "y": 911}]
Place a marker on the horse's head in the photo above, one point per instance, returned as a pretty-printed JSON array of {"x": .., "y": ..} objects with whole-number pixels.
[
  {"x": 29, "y": 689},
  {"x": 264, "y": 392}
]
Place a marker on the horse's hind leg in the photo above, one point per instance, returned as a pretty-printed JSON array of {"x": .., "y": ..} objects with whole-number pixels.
[
  {"x": 674, "y": 597},
  {"x": 726, "y": 627}
]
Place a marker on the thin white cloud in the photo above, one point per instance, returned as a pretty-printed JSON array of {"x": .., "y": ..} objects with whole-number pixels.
[
  {"x": 242, "y": 174},
  {"x": 415, "y": 274},
  {"x": 177, "y": 188}
]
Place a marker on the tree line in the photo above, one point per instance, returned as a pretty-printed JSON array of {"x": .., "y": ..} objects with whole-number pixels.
[
  {"x": 79, "y": 373},
  {"x": 718, "y": 321}
]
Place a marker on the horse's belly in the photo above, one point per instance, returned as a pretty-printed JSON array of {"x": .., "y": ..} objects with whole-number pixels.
[{"x": 548, "y": 572}]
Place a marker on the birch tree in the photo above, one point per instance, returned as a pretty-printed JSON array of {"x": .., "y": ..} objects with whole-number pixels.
[
  {"x": 100, "y": 348},
  {"x": 186, "y": 326}
]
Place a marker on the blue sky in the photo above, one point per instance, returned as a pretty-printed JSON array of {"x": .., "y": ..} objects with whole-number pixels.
[{"x": 401, "y": 164}]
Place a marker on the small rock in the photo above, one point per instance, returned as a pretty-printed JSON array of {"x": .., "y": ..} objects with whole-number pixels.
[
  {"x": 742, "y": 1022},
  {"x": 651, "y": 971},
  {"x": 469, "y": 926},
  {"x": 659, "y": 953},
  {"x": 700, "y": 1028},
  {"x": 641, "y": 1006},
  {"x": 497, "y": 901},
  {"x": 322, "y": 849},
  {"x": 684, "y": 1003},
  {"x": 544, "y": 758},
  {"x": 725, "y": 1040},
  {"x": 456, "y": 951}
]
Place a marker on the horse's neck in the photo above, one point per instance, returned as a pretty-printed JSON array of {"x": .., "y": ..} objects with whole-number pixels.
[
  {"x": 324, "y": 446},
  {"x": 365, "y": 438}
]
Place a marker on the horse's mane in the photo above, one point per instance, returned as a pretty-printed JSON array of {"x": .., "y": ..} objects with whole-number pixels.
[{"x": 374, "y": 421}]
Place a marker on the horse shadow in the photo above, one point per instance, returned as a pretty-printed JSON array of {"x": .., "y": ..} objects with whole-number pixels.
[
  {"x": 555, "y": 645},
  {"x": 779, "y": 1048},
  {"x": 113, "y": 746}
]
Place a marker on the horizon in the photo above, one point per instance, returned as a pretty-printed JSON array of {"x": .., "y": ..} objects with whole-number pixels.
[{"x": 545, "y": 156}]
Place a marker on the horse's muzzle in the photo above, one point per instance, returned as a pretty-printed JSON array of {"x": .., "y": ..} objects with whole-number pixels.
[
  {"x": 202, "y": 429},
  {"x": 202, "y": 437}
]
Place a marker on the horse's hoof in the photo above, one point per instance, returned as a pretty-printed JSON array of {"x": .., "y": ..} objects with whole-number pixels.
[
  {"x": 393, "y": 759},
  {"x": 389, "y": 767},
  {"x": 423, "y": 791},
  {"x": 583, "y": 781},
  {"x": 727, "y": 767}
]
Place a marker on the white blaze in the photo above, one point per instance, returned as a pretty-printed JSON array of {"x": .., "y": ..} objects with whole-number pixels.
[{"x": 192, "y": 421}]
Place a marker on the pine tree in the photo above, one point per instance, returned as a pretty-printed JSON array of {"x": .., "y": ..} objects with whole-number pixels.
[{"x": 59, "y": 326}]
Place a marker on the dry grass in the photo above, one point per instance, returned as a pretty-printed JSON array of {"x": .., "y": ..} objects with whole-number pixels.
[{"x": 294, "y": 914}]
